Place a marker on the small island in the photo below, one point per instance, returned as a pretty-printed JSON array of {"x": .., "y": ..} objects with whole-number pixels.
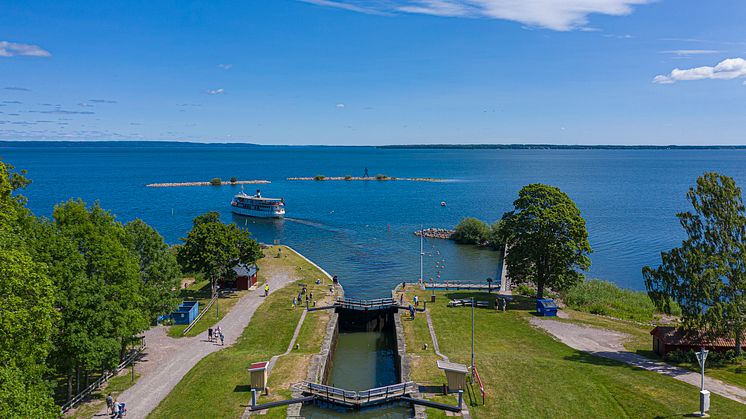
[
  {"x": 213, "y": 182},
  {"x": 379, "y": 177},
  {"x": 436, "y": 233}
]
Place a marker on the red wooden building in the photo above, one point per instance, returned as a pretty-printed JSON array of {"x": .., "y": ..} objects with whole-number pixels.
[
  {"x": 245, "y": 277},
  {"x": 669, "y": 338}
]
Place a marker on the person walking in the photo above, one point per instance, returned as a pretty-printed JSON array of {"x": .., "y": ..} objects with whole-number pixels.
[
  {"x": 209, "y": 334},
  {"x": 295, "y": 301},
  {"x": 416, "y": 301},
  {"x": 266, "y": 290},
  {"x": 222, "y": 339},
  {"x": 110, "y": 404}
]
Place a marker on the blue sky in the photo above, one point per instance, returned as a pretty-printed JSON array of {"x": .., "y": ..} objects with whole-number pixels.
[{"x": 375, "y": 71}]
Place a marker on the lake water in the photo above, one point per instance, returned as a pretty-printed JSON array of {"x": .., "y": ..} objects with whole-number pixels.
[{"x": 362, "y": 231}]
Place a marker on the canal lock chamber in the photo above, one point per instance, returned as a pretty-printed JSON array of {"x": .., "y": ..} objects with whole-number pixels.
[{"x": 364, "y": 354}]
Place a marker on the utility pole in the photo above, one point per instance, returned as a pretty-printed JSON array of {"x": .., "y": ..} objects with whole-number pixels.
[
  {"x": 472, "y": 339},
  {"x": 422, "y": 254},
  {"x": 704, "y": 395}
]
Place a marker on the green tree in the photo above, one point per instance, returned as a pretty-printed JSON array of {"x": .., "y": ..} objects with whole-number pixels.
[
  {"x": 706, "y": 275},
  {"x": 213, "y": 248},
  {"x": 471, "y": 231},
  {"x": 159, "y": 270},
  {"x": 547, "y": 239},
  {"x": 496, "y": 237},
  {"x": 22, "y": 397}
]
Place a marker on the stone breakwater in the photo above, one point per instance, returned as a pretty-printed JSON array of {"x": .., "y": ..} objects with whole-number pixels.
[
  {"x": 435, "y": 233},
  {"x": 175, "y": 185},
  {"x": 372, "y": 178}
]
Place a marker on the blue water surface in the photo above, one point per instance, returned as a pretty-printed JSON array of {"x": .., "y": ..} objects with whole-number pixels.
[{"x": 362, "y": 231}]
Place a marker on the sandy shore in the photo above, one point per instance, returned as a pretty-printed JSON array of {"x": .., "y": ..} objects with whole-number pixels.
[{"x": 174, "y": 185}]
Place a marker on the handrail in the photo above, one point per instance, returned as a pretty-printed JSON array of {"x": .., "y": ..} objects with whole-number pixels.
[
  {"x": 105, "y": 377},
  {"x": 479, "y": 381},
  {"x": 363, "y": 396},
  {"x": 199, "y": 316}
]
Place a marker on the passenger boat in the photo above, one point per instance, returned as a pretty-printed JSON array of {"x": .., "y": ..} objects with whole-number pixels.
[{"x": 257, "y": 205}]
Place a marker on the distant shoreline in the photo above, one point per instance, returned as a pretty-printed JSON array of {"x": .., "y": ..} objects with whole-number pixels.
[
  {"x": 223, "y": 183},
  {"x": 557, "y": 147}
]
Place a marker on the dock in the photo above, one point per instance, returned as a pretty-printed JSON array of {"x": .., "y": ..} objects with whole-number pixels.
[{"x": 359, "y": 399}]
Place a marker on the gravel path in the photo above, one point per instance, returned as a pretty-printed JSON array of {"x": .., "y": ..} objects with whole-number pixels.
[
  {"x": 610, "y": 344},
  {"x": 167, "y": 359}
]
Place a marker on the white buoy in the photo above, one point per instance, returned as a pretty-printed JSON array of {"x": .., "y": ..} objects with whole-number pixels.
[{"x": 442, "y": 203}]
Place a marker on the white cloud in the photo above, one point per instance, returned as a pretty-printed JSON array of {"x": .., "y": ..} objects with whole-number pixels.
[
  {"x": 560, "y": 15},
  {"x": 12, "y": 49},
  {"x": 690, "y": 52},
  {"x": 729, "y": 69},
  {"x": 340, "y": 105},
  {"x": 215, "y": 91},
  {"x": 225, "y": 66}
]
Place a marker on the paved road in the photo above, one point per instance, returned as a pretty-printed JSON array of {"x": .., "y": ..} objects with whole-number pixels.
[
  {"x": 167, "y": 360},
  {"x": 610, "y": 344}
]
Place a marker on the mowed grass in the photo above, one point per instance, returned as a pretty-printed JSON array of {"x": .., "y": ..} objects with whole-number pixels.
[
  {"x": 218, "y": 386},
  {"x": 200, "y": 291},
  {"x": 528, "y": 374}
]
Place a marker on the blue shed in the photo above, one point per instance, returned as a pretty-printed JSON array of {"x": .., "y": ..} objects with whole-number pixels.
[
  {"x": 186, "y": 312},
  {"x": 546, "y": 307}
]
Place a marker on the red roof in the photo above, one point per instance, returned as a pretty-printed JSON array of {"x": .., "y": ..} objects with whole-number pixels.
[
  {"x": 258, "y": 366},
  {"x": 677, "y": 336}
]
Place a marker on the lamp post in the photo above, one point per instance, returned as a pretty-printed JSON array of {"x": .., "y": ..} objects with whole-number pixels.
[{"x": 704, "y": 395}]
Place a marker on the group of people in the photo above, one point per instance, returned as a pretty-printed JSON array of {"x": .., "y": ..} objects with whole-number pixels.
[
  {"x": 116, "y": 409},
  {"x": 214, "y": 335},
  {"x": 309, "y": 298}
]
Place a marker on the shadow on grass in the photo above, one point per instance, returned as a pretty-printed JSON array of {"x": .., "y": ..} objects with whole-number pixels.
[
  {"x": 515, "y": 302},
  {"x": 242, "y": 388}
]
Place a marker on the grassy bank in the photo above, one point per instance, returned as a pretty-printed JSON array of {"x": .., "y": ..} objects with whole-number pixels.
[
  {"x": 201, "y": 291},
  {"x": 218, "y": 386},
  {"x": 601, "y": 297},
  {"x": 529, "y": 374}
]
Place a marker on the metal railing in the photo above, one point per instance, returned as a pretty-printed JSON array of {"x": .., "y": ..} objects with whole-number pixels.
[
  {"x": 199, "y": 316},
  {"x": 104, "y": 378},
  {"x": 356, "y": 303},
  {"x": 479, "y": 381},
  {"x": 360, "y": 398}
]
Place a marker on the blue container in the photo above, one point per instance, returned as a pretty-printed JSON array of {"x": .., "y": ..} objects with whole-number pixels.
[
  {"x": 546, "y": 307},
  {"x": 186, "y": 313}
]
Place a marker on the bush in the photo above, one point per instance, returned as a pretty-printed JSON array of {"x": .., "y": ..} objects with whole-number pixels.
[
  {"x": 471, "y": 231},
  {"x": 381, "y": 177},
  {"x": 714, "y": 359},
  {"x": 495, "y": 238},
  {"x": 319, "y": 177},
  {"x": 348, "y": 177},
  {"x": 602, "y": 297},
  {"x": 525, "y": 290},
  {"x": 234, "y": 180},
  {"x": 216, "y": 181}
]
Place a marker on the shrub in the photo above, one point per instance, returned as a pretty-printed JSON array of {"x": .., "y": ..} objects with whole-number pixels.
[
  {"x": 381, "y": 177},
  {"x": 525, "y": 290},
  {"x": 234, "y": 180},
  {"x": 216, "y": 181},
  {"x": 471, "y": 231},
  {"x": 348, "y": 177},
  {"x": 319, "y": 177}
]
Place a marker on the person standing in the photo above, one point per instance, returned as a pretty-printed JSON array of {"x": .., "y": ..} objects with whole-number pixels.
[
  {"x": 110, "y": 404},
  {"x": 416, "y": 301},
  {"x": 266, "y": 290}
]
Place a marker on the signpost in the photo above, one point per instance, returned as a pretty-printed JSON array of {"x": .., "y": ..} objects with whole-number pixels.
[{"x": 704, "y": 395}]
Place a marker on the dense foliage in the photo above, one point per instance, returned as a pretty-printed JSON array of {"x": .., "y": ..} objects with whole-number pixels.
[
  {"x": 74, "y": 290},
  {"x": 706, "y": 275},
  {"x": 213, "y": 247},
  {"x": 547, "y": 240},
  {"x": 471, "y": 231}
]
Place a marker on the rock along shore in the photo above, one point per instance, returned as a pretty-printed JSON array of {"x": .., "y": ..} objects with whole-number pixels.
[
  {"x": 371, "y": 178},
  {"x": 174, "y": 185},
  {"x": 436, "y": 233}
]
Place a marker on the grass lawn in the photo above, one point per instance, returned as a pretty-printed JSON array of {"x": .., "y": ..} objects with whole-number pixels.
[
  {"x": 529, "y": 374},
  {"x": 218, "y": 386},
  {"x": 641, "y": 342},
  {"x": 97, "y": 401},
  {"x": 200, "y": 291}
]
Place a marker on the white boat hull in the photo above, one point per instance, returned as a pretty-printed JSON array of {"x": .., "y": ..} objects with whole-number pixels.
[{"x": 258, "y": 214}]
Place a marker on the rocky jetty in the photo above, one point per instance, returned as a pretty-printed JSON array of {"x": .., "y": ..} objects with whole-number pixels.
[
  {"x": 174, "y": 185},
  {"x": 371, "y": 178},
  {"x": 435, "y": 233}
]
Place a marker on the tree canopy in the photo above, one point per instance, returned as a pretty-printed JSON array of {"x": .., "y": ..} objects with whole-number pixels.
[
  {"x": 706, "y": 275},
  {"x": 547, "y": 239},
  {"x": 213, "y": 247},
  {"x": 471, "y": 231}
]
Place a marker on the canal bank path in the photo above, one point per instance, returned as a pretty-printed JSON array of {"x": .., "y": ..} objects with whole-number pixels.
[
  {"x": 167, "y": 360},
  {"x": 610, "y": 344}
]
